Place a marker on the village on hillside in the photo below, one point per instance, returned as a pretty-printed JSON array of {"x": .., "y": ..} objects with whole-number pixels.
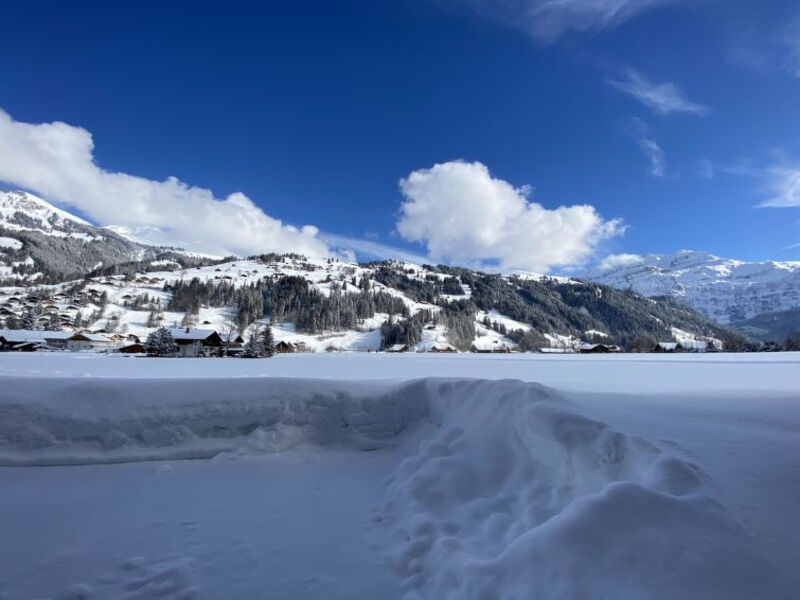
[
  {"x": 311, "y": 306},
  {"x": 193, "y": 343}
]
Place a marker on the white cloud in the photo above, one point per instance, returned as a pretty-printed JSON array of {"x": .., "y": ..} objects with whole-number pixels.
[
  {"x": 56, "y": 160},
  {"x": 774, "y": 50},
  {"x": 464, "y": 215},
  {"x": 782, "y": 182},
  {"x": 791, "y": 43},
  {"x": 548, "y": 20},
  {"x": 612, "y": 261},
  {"x": 706, "y": 169},
  {"x": 650, "y": 148},
  {"x": 662, "y": 98}
]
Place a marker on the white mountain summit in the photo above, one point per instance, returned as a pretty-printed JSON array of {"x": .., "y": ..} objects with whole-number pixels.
[{"x": 727, "y": 290}]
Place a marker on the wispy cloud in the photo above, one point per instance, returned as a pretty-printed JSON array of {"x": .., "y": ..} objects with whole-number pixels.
[
  {"x": 782, "y": 182},
  {"x": 791, "y": 44},
  {"x": 548, "y": 20},
  {"x": 779, "y": 179},
  {"x": 648, "y": 145},
  {"x": 772, "y": 50},
  {"x": 662, "y": 98},
  {"x": 706, "y": 169}
]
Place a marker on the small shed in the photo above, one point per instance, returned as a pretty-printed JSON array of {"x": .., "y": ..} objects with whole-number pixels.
[
  {"x": 83, "y": 342},
  {"x": 666, "y": 347},
  {"x": 397, "y": 348},
  {"x": 483, "y": 346},
  {"x": 134, "y": 348},
  {"x": 284, "y": 347},
  {"x": 443, "y": 348},
  {"x": 598, "y": 348}
]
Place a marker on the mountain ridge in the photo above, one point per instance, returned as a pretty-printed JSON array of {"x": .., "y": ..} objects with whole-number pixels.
[
  {"x": 727, "y": 290},
  {"x": 41, "y": 243}
]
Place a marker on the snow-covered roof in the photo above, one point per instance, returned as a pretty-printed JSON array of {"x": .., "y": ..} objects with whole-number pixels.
[
  {"x": 556, "y": 350},
  {"x": 92, "y": 337},
  {"x": 668, "y": 345},
  {"x": 186, "y": 333},
  {"x": 694, "y": 345},
  {"x": 30, "y": 335},
  {"x": 488, "y": 344}
]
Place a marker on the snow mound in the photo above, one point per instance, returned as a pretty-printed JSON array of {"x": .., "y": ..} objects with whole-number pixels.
[
  {"x": 87, "y": 421},
  {"x": 512, "y": 492},
  {"x": 518, "y": 495}
]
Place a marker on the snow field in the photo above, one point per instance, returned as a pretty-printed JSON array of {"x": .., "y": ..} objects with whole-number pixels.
[{"x": 467, "y": 488}]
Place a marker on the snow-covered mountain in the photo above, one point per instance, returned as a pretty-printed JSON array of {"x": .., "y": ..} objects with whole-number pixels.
[
  {"x": 22, "y": 211},
  {"x": 727, "y": 290},
  {"x": 97, "y": 278},
  {"x": 326, "y": 304},
  {"x": 40, "y": 243}
]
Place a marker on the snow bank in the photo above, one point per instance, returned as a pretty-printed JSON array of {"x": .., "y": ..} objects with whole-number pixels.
[
  {"x": 512, "y": 492},
  {"x": 74, "y": 421},
  {"x": 518, "y": 495}
]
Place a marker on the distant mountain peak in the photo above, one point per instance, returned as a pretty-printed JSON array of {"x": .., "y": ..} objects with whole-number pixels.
[
  {"x": 38, "y": 209},
  {"x": 728, "y": 290}
]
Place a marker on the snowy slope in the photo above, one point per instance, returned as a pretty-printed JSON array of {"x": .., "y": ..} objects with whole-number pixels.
[
  {"x": 667, "y": 477},
  {"x": 44, "y": 216},
  {"x": 725, "y": 289},
  {"x": 39, "y": 241},
  {"x": 120, "y": 315},
  {"x": 41, "y": 244}
]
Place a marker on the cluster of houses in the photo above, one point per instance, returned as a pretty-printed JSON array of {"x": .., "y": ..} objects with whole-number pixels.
[
  {"x": 189, "y": 342},
  {"x": 32, "y": 340},
  {"x": 497, "y": 347}
]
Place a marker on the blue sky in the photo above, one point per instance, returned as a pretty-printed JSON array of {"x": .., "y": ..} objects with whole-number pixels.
[{"x": 673, "y": 121}]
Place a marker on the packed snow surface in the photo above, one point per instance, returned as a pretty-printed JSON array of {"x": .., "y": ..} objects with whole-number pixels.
[{"x": 366, "y": 475}]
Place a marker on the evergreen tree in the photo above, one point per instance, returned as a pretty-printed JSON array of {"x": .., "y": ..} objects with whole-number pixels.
[
  {"x": 160, "y": 342},
  {"x": 792, "y": 342},
  {"x": 268, "y": 341},
  {"x": 29, "y": 321},
  {"x": 53, "y": 324},
  {"x": 254, "y": 346}
]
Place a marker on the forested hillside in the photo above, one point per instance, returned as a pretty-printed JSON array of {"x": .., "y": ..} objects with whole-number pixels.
[{"x": 328, "y": 304}]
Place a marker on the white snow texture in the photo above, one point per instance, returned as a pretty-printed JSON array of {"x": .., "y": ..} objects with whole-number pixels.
[{"x": 502, "y": 490}]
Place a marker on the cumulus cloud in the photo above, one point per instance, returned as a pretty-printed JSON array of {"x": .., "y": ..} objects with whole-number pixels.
[
  {"x": 57, "y": 161},
  {"x": 662, "y": 98},
  {"x": 641, "y": 133},
  {"x": 463, "y": 214},
  {"x": 548, "y": 20}
]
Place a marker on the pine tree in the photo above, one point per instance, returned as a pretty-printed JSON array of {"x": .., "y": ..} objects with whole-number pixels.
[
  {"x": 268, "y": 341},
  {"x": 160, "y": 342},
  {"x": 29, "y": 321},
  {"x": 53, "y": 324},
  {"x": 254, "y": 346}
]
